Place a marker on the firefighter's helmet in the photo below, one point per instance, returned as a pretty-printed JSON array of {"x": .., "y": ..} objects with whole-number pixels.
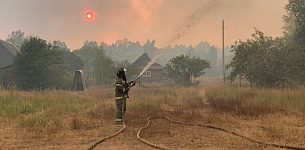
[{"x": 121, "y": 72}]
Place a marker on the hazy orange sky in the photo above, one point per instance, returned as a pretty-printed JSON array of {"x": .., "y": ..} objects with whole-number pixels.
[{"x": 167, "y": 21}]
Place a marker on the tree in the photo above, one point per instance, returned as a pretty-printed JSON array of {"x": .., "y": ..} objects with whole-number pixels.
[
  {"x": 38, "y": 65},
  {"x": 72, "y": 62},
  {"x": 104, "y": 69},
  {"x": 91, "y": 44},
  {"x": 294, "y": 35},
  {"x": 295, "y": 21},
  {"x": 197, "y": 66},
  {"x": 184, "y": 66},
  {"x": 16, "y": 37},
  {"x": 212, "y": 58},
  {"x": 149, "y": 47},
  {"x": 190, "y": 51},
  {"x": 61, "y": 45},
  {"x": 87, "y": 54},
  {"x": 263, "y": 61}
]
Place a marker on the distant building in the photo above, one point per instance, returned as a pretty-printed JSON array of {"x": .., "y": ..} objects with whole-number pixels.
[
  {"x": 8, "y": 52},
  {"x": 153, "y": 74}
]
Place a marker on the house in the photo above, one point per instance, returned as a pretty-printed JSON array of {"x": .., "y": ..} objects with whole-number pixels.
[
  {"x": 153, "y": 74},
  {"x": 8, "y": 51}
]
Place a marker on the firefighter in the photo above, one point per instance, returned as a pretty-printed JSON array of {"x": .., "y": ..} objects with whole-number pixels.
[{"x": 121, "y": 93}]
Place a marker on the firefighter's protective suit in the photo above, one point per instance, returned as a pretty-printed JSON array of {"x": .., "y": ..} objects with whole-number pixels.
[{"x": 121, "y": 93}]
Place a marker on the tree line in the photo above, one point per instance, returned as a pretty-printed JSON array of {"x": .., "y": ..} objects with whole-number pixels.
[{"x": 41, "y": 64}]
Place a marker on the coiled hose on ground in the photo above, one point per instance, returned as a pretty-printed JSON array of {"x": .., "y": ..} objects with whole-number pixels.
[{"x": 190, "y": 124}]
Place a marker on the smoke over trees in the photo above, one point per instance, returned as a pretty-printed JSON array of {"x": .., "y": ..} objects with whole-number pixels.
[
  {"x": 87, "y": 54},
  {"x": 212, "y": 58},
  {"x": 99, "y": 62},
  {"x": 104, "y": 68},
  {"x": 274, "y": 62},
  {"x": 16, "y": 37},
  {"x": 102, "y": 61},
  {"x": 126, "y": 50},
  {"x": 295, "y": 21}
]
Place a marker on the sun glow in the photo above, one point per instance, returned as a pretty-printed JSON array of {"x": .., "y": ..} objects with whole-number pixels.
[{"x": 89, "y": 15}]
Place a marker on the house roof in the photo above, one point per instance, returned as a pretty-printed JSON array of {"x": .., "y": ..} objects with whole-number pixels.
[
  {"x": 143, "y": 60},
  {"x": 13, "y": 49},
  {"x": 7, "y": 52}
]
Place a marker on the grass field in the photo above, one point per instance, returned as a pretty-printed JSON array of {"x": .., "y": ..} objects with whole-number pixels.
[{"x": 75, "y": 120}]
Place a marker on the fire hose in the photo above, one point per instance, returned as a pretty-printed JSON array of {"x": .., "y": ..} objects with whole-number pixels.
[
  {"x": 108, "y": 137},
  {"x": 207, "y": 126},
  {"x": 190, "y": 124}
]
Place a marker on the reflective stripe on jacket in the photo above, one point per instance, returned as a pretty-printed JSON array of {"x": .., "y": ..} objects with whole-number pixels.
[{"x": 120, "y": 88}]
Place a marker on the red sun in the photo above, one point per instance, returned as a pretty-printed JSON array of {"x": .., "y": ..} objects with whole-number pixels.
[{"x": 89, "y": 15}]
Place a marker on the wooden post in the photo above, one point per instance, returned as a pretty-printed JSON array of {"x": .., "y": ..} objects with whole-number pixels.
[{"x": 223, "y": 51}]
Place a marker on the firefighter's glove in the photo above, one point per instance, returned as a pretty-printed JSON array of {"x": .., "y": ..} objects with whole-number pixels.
[{"x": 132, "y": 83}]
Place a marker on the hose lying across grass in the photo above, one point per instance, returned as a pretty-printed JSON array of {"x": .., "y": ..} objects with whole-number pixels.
[
  {"x": 207, "y": 126},
  {"x": 190, "y": 124},
  {"x": 108, "y": 137}
]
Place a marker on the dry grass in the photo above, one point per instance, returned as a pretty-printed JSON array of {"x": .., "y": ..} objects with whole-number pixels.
[
  {"x": 270, "y": 115},
  {"x": 75, "y": 120},
  {"x": 253, "y": 102},
  {"x": 55, "y": 111}
]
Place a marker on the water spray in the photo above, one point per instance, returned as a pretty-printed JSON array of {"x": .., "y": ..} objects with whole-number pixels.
[
  {"x": 190, "y": 22},
  {"x": 145, "y": 68}
]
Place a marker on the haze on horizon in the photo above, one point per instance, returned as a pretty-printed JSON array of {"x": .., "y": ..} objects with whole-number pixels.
[{"x": 139, "y": 20}]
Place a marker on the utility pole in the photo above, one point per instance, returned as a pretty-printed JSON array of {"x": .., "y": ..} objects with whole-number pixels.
[
  {"x": 223, "y": 51},
  {"x": 1, "y": 75}
]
